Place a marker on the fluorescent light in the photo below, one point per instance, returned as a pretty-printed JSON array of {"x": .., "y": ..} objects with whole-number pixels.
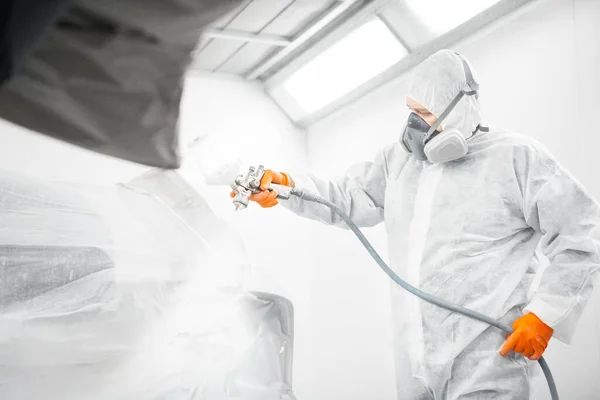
[
  {"x": 352, "y": 61},
  {"x": 441, "y": 16}
]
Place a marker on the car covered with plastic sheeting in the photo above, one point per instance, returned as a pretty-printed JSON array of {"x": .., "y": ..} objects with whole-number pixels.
[{"x": 131, "y": 292}]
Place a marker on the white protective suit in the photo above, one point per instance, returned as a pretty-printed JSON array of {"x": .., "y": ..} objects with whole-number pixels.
[{"x": 467, "y": 231}]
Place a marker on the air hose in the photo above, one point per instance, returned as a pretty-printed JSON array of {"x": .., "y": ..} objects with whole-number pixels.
[{"x": 285, "y": 193}]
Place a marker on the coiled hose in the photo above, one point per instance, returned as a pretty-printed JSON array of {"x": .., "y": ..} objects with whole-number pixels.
[{"x": 419, "y": 293}]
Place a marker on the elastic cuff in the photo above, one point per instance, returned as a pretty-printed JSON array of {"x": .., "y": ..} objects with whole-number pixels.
[
  {"x": 563, "y": 327},
  {"x": 287, "y": 180},
  {"x": 543, "y": 311}
]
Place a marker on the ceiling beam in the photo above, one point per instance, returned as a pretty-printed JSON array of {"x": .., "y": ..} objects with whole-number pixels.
[
  {"x": 334, "y": 12},
  {"x": 248, "y": 37}
]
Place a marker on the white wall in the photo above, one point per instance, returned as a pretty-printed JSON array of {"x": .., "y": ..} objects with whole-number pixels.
[
  {"x": 33, "y": 154},
  {"x": 539, "y": 73}
]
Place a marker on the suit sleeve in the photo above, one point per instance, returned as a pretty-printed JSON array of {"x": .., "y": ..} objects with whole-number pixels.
[
  {"x": 360, "y": 193},
  {"x": 568, "y": 220}
]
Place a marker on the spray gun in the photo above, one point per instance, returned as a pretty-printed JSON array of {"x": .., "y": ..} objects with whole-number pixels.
[{"x": 247, "y": 184}]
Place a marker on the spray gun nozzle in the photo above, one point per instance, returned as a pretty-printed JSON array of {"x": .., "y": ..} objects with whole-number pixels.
[{"x": 245, "y": 185}]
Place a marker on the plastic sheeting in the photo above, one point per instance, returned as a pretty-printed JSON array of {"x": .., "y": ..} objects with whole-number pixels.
[
  {"x": 22, "y": 24},
  {"x": 108, "y": 75},
  {"x": 132, "y": 292}
]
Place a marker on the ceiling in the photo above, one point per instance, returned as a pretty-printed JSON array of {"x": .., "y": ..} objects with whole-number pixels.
[
  {"x": 272, "y": 40},
  {"x": 258, "y": 30}
]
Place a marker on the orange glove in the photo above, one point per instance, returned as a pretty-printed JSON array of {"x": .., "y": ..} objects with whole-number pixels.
[
  {"x": 268, "y": 198},
  {"x": 531, "y": 337}
]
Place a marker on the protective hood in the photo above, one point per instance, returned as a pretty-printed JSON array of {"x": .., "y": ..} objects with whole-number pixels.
[{"x": 436, "y": 82}]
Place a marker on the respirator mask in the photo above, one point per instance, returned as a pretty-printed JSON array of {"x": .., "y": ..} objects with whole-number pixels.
[{"x": 425, "y": 142}]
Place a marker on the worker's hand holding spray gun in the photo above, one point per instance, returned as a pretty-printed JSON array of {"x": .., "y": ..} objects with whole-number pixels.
[
  {"x": 261, "y": 186},
  {"x": 528, "y": 335}
]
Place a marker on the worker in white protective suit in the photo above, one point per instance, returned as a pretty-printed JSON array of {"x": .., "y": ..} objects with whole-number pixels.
[{"x": 465, "y": 208}]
